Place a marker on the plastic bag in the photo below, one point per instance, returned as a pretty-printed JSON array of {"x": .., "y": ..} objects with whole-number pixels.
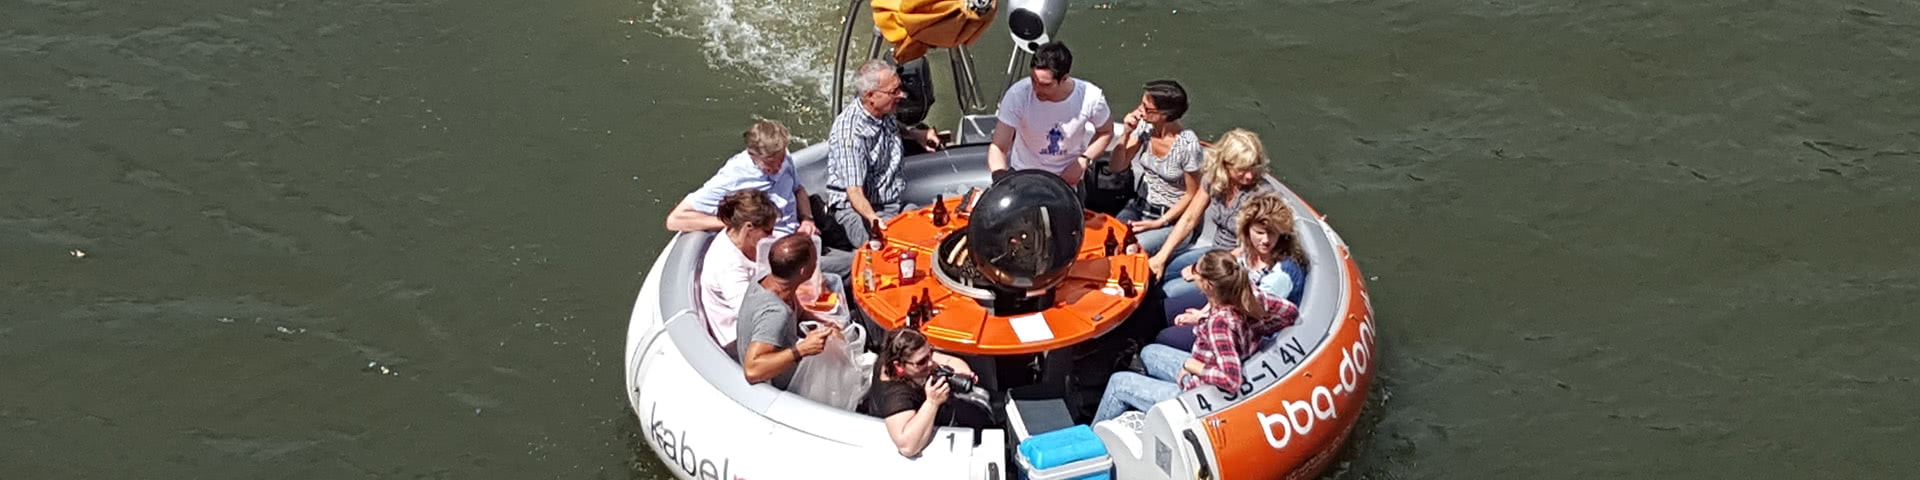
[{"x": 840, "y": 375}]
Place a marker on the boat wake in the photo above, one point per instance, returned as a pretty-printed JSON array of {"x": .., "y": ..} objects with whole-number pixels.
[{"x": 776, "y": 44}]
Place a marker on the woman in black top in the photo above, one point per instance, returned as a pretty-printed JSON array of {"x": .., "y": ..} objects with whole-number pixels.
[{"x": 909, "y": 396}]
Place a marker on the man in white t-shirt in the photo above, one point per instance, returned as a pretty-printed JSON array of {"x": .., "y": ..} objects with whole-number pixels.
[{"x": 1050, "y": 121}]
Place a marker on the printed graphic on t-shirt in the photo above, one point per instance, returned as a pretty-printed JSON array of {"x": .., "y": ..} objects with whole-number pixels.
[{"x": 1053, "y": 140}]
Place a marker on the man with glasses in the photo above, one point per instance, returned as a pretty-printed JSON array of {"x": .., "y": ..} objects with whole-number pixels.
[{"x": 864, "y": 181}]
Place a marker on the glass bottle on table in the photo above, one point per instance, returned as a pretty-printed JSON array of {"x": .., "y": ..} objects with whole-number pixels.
[
  {"x": 876, "y": 236},
  {"x": 916, "y": 314},
  {"x": 939, "y": 210},
  {"x": 926, "y": 305}
]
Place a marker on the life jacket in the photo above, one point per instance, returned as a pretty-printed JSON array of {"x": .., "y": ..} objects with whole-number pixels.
[{"x": 914, "y": 26}]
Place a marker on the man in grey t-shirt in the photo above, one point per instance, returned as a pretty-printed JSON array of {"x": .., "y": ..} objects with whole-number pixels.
[{"x": 768, "y": 344}]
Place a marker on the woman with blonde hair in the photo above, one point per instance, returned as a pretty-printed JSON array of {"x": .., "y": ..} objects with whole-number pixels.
[
  {"x": 1235, "y": 169},
  {"x": 1231, "y": 324},
  {"x": 1269, "y": 251}
]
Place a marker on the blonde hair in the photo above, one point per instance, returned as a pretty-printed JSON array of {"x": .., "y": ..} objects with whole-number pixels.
[
  {"x": 1238, "y": 149},
  {"x": 1270, "y": 211},
  {"x": 766, "y": 136}
]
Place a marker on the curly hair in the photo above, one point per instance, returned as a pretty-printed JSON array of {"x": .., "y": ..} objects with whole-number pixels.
[{"x": 1272, "y": 212}]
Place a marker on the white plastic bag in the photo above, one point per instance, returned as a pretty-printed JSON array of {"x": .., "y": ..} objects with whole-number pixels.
[{"x": 840, "y": 374}]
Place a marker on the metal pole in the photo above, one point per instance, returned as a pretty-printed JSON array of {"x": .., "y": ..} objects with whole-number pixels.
[
  {"x": 966, "y": 81},
  {"x": 1015, "y": 65},
  {"x": 840, "y": 59}
]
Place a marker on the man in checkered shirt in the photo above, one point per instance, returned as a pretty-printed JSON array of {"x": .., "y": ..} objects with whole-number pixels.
[{"x": 864, "y": 184}]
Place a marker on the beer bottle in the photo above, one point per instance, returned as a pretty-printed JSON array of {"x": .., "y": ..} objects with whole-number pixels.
[
  {"x": 939, "y": 210},
  {"x": 876, "y": 238},
  {"x": 1126, "y": 282},
  {"x": 926, "y": 304},
  {"x": 1111, "y": 244}
]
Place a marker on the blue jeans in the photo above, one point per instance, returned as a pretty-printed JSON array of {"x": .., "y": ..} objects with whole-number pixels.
[
  {"x": 1180, "y": 293},
  {"x": 1132, "y": 391}
]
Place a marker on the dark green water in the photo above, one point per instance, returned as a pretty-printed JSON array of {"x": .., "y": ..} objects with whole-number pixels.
[{"x": 401, "y": 239}]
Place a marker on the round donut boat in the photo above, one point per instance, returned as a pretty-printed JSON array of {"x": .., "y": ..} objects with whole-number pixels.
[{"x": 1301, "y": 395}]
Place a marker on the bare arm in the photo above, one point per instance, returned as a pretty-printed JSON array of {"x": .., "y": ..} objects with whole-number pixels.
[
  {"x": 1188, "y": 219},
  {"x": 1129, "y": 146},
  {"x": 857, "y": 198},
  {"x": 912, "y": 430},
  {"x": 802, "y": 204},
  {"x": 764, "y": 361},
  {"x": 1002, "y": 143},
  {"x": 952, "y": 362},
  {"x": 685, "y": 219},
  {"x": 1101, "y": 137},
  {"x": 1180, "y": 206}
]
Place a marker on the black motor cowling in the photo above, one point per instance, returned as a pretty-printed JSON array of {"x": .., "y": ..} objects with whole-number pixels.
[{"x": 1025, "y": 231}]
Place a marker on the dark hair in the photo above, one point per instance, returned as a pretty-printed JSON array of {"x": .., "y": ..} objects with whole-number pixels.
[
  {"x": 791, "y": 256},
  {"x": 1054, "y": 57},
  {"x": 900, "y": 344},
  {"x": 747, "y": 206},
  {"x": 1168, "y": 97}
]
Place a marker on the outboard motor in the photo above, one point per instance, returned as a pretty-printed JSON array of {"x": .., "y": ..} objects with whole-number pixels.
[
  {"x": 1035, "y": 22},
  {"x": 917, "y": 80}
]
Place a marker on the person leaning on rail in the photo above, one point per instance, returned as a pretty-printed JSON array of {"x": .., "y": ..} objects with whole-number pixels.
[{"x": 764, "y": 165}]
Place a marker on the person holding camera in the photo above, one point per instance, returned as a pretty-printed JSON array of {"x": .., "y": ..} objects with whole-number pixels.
[{"x": 913, "y": 388}]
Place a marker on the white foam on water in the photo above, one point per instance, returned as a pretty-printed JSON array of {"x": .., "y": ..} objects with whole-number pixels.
[{"x": 785, "y": 46}]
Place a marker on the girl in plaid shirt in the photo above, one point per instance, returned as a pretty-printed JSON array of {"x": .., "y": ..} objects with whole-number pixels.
[{"x": 1234, "y": 320}]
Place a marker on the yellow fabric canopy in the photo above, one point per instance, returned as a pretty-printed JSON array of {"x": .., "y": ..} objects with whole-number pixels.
[{"x": 913, "y": 26}]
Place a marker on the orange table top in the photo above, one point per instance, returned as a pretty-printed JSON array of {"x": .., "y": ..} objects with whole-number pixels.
[{"x": 1089, "y": 302}]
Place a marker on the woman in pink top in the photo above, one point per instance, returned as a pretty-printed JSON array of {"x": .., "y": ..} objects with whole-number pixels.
[{"x": 730, "y": 264}]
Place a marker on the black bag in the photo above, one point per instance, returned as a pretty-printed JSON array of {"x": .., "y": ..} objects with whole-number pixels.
[{"x": 1109, "y": 192}]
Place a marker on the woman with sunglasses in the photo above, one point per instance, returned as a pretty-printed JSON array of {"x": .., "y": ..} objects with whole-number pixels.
[
  {"x": 1169, "y": 156},
  {"x": 908, "y": 395}
]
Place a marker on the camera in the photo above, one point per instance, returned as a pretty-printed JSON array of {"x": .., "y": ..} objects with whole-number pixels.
[{"x": 960, "y": 383}]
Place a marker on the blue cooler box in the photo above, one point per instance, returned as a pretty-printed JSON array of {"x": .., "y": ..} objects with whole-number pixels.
[{"x": 1071, "y": 453}]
